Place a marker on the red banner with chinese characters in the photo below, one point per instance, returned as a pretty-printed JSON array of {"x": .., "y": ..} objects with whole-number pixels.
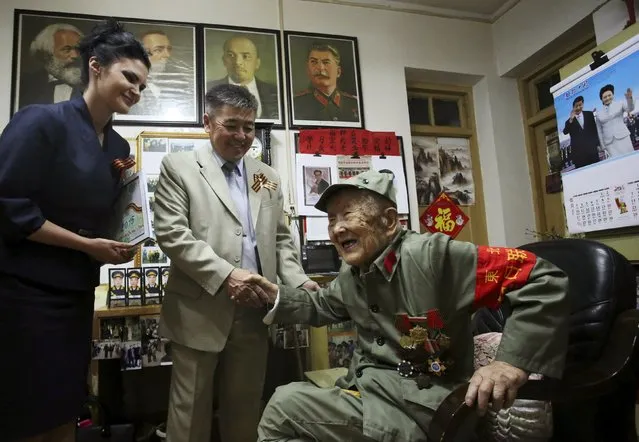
[
  {"x": 444, "y": 216},
  {"x": 499, "y": 271},
  {"x": 348, "y": 142}
]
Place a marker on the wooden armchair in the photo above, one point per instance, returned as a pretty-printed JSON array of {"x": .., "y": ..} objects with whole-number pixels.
[{"x": 595, "y": 399}]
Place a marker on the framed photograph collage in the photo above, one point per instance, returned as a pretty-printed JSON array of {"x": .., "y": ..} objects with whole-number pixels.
[{"x": 322, "y": 81}]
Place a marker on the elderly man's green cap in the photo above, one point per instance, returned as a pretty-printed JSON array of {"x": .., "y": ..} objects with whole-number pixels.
[{"x": 378, "y": 182}]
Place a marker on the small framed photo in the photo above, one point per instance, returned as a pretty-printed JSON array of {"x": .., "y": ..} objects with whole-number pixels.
[
  {"x": 152, "y": 256},
  {"x": 152, "y": 286},
  {"x": 181, "y": 145},
  {"x": 134, "y": 287},
  {"x": 111, "y": 349},
  {"x": 156, "y": 145},
  {"x": 165, "y": 272},
  {"x": 153, "y": 146},
  {"x": 323, "y": 80},
  {"x": 117, "y": 294},
  {"x": 152, "y": 183},
  {"x": 131, "y": 356},
  {"x": 132, "y": 328},
  {"x": 317, "y": 180},
  {"x": 250, "y": 58},
  {"x": 112, "y": 329}
]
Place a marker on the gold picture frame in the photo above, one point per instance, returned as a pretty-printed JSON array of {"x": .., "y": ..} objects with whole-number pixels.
[{"x": 150, "y": 148}]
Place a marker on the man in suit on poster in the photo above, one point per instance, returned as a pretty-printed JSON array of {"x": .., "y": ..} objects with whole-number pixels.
[
  {"x": 58, "y": 77},
  {"x": 320, "y": 184},
  {"x": 242, "y": 61},
  {"x": 584, "y": 140},
  {"x": 209, "y": 312}
]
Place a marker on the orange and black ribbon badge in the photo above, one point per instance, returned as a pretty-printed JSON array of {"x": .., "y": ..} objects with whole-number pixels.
[
  {"x": 123, "y": 164},
  {"x": 260, "y": 180}
]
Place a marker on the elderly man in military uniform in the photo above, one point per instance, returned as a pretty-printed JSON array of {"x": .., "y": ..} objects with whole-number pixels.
[
  {"x": 323, "y": 100},
  {"x": 411, "y": 297},
  {"x": 135, "y": 290}
]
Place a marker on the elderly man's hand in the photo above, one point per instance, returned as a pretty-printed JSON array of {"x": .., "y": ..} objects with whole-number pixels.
[
  {"x": 242, "y": 289},
  {"x": 311, "y": 285},
  {"x": 268, "y": 288},
  {"x": 498, "y": 383}
]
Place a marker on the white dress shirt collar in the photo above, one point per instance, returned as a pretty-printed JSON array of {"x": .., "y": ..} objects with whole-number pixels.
[{"x": 252, "y": 88}]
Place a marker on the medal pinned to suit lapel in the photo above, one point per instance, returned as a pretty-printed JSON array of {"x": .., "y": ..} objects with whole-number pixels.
[
  {"x": 260, "y": 180},
  {"x": 424, "y": 347}
]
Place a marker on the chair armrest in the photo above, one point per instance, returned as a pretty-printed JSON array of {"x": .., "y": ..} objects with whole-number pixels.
[{"x": 599, "y": 379}]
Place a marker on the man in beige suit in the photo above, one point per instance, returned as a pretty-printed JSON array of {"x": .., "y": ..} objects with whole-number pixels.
[{"x": 219, "y": 218}]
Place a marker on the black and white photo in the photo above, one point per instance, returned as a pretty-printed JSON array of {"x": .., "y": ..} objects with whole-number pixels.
[
  {"x": 112, "y": 329},
  {"x": 111, "y": 349},
  {"x": 131, "y": 355}
]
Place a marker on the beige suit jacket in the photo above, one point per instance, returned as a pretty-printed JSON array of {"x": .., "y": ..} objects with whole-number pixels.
[{"x": 197, "y": 225}]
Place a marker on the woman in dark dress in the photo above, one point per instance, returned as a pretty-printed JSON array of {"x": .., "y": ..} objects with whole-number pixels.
[{"x": 60, "y": 168}]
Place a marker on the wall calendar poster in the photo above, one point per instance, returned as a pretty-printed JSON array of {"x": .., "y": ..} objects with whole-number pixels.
[{"x": 595, "y": 201}]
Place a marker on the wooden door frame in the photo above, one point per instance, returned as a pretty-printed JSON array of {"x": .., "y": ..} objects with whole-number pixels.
[
  {"x": 468, "y": 131},
  {"x": 533, "y": 117}
]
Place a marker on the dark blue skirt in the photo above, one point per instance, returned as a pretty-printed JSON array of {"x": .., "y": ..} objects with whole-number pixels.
[{"x": 45, "y": 351}]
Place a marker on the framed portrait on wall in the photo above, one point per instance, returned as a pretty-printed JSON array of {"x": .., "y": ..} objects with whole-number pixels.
[
  {"x": 323, "y": 80},
  {"x": 151, "y": 148},
  {"x": 250, "y": 58},
  {"x": 172, "y": 94},
  {"x": 47, "y": 66},
  {"x": 46, "y": 63}
]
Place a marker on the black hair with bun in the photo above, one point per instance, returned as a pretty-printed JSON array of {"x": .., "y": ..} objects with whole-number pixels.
[{"x": 109, "y": 42}]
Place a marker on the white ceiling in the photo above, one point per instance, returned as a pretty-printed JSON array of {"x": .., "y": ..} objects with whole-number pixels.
[{"x": 478, "y": 10}]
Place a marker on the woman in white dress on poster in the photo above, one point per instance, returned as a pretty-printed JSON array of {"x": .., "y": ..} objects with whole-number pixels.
[{"x": 614, "y": 135}]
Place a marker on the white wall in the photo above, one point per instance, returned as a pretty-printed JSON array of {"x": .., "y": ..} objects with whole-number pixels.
[
  {"x": 388, "y": 42},
  {"x": 533, "y": 24},
  {"x": 610, "y": 20}
]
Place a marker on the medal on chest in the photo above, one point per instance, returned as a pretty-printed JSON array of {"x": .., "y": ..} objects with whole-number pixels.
[{"x": 424, "y": 347}]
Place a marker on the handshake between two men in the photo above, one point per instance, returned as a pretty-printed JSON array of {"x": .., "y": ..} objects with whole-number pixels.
[{"x": 250, "y": 289}]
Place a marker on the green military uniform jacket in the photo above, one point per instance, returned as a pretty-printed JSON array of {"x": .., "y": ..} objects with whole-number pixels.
[
  {"x": 416, "y": 274},
  {"x": 311, "y": 104}
]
